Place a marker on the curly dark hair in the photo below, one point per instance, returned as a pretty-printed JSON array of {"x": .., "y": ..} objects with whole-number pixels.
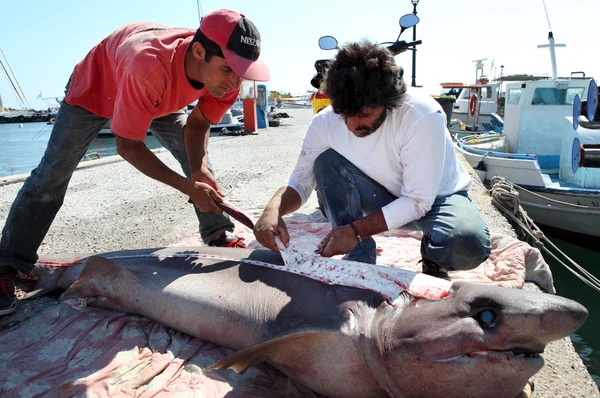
[{"x": 364, "y": 74}]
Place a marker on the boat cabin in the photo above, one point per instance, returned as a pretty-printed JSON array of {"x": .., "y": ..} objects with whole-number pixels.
[{"x": 535, "y": 111}]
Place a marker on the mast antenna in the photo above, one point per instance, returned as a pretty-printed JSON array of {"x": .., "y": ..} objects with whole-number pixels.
[
  {"x": 547, "y": 17},
  {"x": 551, "y": 45},
  {"x": 200, "y": 10}
]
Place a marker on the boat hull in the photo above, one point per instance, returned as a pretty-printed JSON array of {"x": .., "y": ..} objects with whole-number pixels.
[
  {"x": 544, "y": 199},
  {"x": 567, "y": 210},
  {"x": 518, "y": 169}
]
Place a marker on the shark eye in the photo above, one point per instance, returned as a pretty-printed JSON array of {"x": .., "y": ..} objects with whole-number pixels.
[{"x": 487, "y": 318}]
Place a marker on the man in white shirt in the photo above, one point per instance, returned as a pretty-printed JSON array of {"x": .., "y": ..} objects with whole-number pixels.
[{"x": 381, "y": 157}]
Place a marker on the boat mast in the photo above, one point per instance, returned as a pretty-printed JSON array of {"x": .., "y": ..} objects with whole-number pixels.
[
  {"x": 551, "y": 45},
  {"x": 13, "y": 80}
]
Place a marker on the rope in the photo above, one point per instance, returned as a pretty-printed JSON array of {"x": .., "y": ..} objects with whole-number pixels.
[
  {"x": 41, "y": 132},
  {"x": 555, "y": 200},
  {"x": 506, "y": 198}
]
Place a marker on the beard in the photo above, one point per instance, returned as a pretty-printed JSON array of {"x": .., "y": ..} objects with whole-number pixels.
[{"x": 365, "y": 131}]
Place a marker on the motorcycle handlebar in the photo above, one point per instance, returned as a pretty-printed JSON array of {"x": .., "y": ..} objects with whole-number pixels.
[{"x": 401, "y": 46}]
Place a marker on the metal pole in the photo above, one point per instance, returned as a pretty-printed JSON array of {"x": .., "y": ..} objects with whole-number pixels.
[{"x": 414, "y": 55}]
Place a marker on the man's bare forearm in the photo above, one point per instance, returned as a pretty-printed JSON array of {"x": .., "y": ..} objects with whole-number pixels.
[
  {"x": 372, "y": 224},
  {"x": 143, "y": 159},
  {"x": 285, "y": 201},
  {"x": 196, "y": 134},
  {"x": 196, "y": 143}
]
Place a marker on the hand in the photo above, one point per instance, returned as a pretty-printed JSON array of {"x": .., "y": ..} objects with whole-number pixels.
[
  {"x": 204, "y": 175},
  {"x": 205, "y": 198},
  {"x": 269, "y": 225},
  {"x": 340, "y": 240}
]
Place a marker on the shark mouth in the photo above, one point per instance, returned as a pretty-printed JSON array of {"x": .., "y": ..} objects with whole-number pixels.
[{"x": 513, "y": 352}]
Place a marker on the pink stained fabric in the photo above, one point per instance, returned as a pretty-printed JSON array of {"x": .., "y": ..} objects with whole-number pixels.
[{"x": 92, "y": 352}]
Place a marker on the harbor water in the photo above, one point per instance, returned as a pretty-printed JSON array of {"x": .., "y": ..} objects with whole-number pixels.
[
  {"x": 587, "y": 339},
  {"x": 21, "y": 149}
]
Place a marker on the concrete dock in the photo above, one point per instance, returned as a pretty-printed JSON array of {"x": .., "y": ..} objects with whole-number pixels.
[{"x": 111, "y": 206}]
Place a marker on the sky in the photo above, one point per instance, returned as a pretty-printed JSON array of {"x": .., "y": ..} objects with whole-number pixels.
[{"x": 44, "y": 40}]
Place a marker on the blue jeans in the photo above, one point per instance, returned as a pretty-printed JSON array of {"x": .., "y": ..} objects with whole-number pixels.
[
  {"x": 42, "y": 194},
  {"x": 455, "y": 235}
]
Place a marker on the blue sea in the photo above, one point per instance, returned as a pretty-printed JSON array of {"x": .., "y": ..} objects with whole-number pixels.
[{"x": 21, "y": 149}]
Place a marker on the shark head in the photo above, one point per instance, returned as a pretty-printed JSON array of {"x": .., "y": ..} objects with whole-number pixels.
[{"x": 478, "y": 341}]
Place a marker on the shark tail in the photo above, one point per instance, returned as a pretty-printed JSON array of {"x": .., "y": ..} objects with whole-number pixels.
[{"x": 46, "y": 283}]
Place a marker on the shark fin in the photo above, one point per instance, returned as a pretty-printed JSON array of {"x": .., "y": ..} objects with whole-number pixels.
[
  {"x": 240, "y": 361},
  {"x": 273, "y": 349},
  {"x": 37, "y": 293},
  {"x": 90, "y": 281}
]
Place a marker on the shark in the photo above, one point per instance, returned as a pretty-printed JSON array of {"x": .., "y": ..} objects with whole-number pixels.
[{"x": 338, "y": 341}]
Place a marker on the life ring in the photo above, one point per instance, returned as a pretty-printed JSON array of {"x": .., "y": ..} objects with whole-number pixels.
[{"x": 472, "y": 104}]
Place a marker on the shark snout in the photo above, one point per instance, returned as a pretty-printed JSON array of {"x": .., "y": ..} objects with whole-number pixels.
[
  {"x": 559, "y": 316},
  {"x": 539, "y": 316}
]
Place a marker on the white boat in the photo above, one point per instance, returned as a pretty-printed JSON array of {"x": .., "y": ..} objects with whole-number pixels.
[
  {"x": 300, "y": 101},
  {"x": 543, "y": 152},
  {"x": 228, "y": 124},
  {"x": 476, "y": 102}
]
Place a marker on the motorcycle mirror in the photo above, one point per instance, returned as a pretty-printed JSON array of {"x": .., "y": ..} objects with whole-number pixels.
[
  {"x": 328, "y": 43},
  {"x": 408, "y": 21}
]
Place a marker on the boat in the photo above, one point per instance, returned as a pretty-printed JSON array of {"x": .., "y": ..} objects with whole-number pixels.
[
  {"x": 26, "y": 114},
  {"x": 489, "y": 141},
  {"x": 475, "y": 103},
  {"x": 543, "y": 151},
  {"x": 229, "y": 124},
  {"x": 300, "y": 101}
]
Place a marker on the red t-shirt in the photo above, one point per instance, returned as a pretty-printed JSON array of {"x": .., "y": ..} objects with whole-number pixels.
[{"x": 137, "y": 74}]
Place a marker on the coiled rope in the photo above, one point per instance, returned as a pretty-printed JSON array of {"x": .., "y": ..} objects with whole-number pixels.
[{"x": 506, "y": 198}]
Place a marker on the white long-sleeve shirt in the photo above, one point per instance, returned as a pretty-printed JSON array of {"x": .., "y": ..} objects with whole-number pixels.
[{"x": 411, "y": 155}]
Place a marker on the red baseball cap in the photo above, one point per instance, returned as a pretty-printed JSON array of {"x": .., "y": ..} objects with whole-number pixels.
[{"x": 239, "y": 40}]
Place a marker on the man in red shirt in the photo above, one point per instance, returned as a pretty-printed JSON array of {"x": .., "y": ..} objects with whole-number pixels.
[{"x": 141, "y": 77}]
